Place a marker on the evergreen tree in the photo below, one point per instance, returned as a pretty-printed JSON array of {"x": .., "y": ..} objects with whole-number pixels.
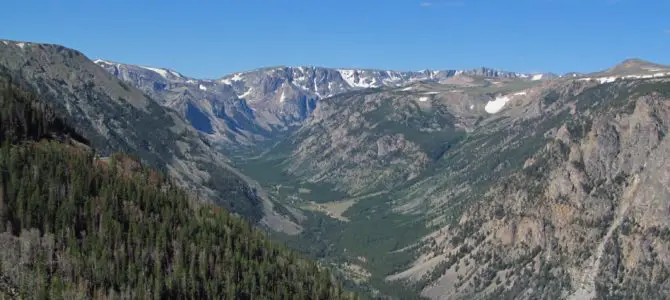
[{"x": 117, "y": 229}]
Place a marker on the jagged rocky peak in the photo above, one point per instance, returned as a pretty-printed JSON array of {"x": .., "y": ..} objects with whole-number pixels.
[
  {"x": 280, "y": 83},
  {"x": 489, "y": 72}
]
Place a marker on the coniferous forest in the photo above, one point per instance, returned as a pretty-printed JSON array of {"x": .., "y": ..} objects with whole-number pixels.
[{"x": 76, "y": 226}]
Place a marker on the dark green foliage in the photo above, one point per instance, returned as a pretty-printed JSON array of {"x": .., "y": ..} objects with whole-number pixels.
[
  {"x": 550, "y": 98},
  {"x": 652, "y": 86},
  {"x": 232, "y": 186},
  {"x": 549, "y": 283},
  {"x": 579, "y": 128},
  {"x": 434, "y": 143},
  {"x": 28, "y": 119},
  {"x": 135, "y": 125},
  {"x": 112, "y": 228}
]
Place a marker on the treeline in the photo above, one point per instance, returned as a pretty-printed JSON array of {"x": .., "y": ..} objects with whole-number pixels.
[{"x": 76, "y": 227}]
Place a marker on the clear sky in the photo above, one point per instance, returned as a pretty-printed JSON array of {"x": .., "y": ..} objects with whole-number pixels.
[{"x": 208, "y": 39}]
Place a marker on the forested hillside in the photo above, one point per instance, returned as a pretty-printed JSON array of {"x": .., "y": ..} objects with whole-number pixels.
[{"x": 74, "y": 226}]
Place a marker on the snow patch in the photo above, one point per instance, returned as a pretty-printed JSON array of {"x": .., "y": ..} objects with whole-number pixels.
[
  {"x": 202, "y": 87},
  {"x": 5, "y": 42},
  {"x": 300, "y": 80},
  {"x": 472, "y": 106},
  {"x": 607, "y": 79},
  {"x": 374, "y": 82},
  {"x": 496, "y": 105},
  {"x": 431, "y": 93},
  {"x": 247, "y": 93},
  {"x": 301, "y": 86},
  {"x": 632, "y": 76},
  {"x": 175, "y": 74},
  {"x": 423, "y": 99},
  {"x": 409, "y": 88},
  {"x": 237, "y": 77},
  {"x": 21, "y": 45},
  {"x": 350, "y": 77},
  {"x": 282, "y": 98},
  {"x": 520, "y": 94},
  {"x": 537, "y": 77},
  {"x": 160, "y": 72},
  {"x": 316, "y": 89}
]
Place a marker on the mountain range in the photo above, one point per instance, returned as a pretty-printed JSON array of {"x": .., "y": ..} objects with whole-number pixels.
[
  {"x": 454, "y": 184},
  {"x": 247, "y": 107}
]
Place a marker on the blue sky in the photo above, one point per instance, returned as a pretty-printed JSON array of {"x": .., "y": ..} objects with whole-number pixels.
[{"x": 208, "y": 39}]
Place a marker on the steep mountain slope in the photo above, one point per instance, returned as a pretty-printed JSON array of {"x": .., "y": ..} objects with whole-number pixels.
[
  {"x": 563, "y": 176},
  {"x": 549, "y": 195},
  {"x": 248, "y": 107},
  {"x": 211, "y": 108},
  {"x": 73, "y": 226},
  {"x": 420, "y": 110},
  {"x": 546, "y": 196},
  {"x": 117, "y": 117},
  {"x": 364, "y": 142}
]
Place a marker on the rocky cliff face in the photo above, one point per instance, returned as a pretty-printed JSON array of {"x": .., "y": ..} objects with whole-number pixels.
[
  {"x": 211, "y": 108},
  {"x": 572, "y": 197}
]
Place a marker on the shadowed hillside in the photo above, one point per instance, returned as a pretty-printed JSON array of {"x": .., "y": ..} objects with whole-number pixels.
[{"x": 73, "y": 226}]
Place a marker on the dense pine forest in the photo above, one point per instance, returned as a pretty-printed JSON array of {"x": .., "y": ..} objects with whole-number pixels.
[{"x": 76, "y": 226}]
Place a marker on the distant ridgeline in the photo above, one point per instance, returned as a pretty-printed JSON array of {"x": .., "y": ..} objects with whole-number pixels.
[{"x": 76, "y": 227}]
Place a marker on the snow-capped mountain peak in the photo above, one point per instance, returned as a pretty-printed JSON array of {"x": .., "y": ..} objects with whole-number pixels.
[{"x": 272, "y": 98}]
